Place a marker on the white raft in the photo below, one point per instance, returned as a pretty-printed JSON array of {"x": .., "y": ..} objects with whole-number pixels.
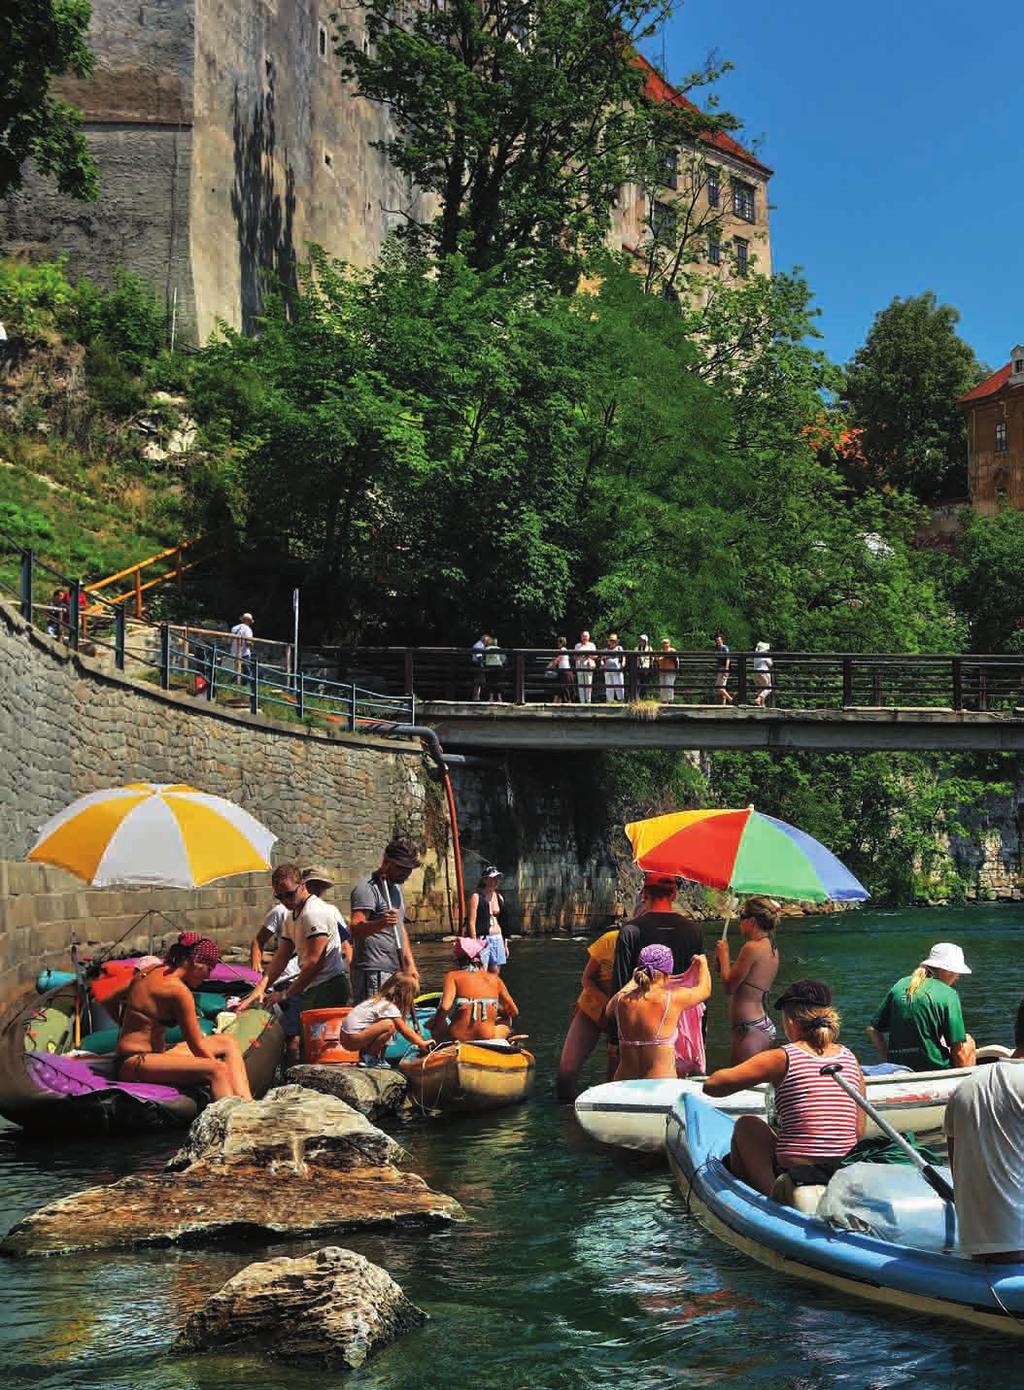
[{"x": 632, "y": 1114}]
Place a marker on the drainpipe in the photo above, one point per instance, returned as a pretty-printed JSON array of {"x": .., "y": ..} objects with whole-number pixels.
[{"x": 432, "y": 744}]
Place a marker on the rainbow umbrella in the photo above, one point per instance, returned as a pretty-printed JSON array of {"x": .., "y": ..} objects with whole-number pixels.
[{"x": 743, "y": 852}]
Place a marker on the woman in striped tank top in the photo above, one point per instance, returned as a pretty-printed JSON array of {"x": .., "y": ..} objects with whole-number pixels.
[{"x": 817, "y": 1121}]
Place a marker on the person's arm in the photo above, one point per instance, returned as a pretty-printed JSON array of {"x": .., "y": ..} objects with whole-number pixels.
[
  {"x": 769, "y": 1066},
  {"x": 471, "y": 911},
  {"x": 444, "y": 1006},
  {"x": 256, "y": 948},
  {"x": 346, "y": 953},
  {"x": 878, "y": 1040},
  {"x": 280, "y": 959},
  {"x": 592, "y": 978},
  {"x": 964, "y": 1054},
  {"x": 734, "y": 975},
  {"x": 506, "y": 1004},
  {"x": 690, "y": 998},
  {"x": 315, "y": 948},
  {"x": 362, "y": 925},
  {"x": 184, "y": 1006},
  {"x": 862, "y": 1119},
  {"x": 962, "y": 1051},
  {"x": 412, "y": 1036},
  {"x": 408, "y": 959}
]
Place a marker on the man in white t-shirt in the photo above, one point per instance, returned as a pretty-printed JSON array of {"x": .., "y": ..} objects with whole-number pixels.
[
  {"x": 985, "y": 1128},
  {"x": 312, "y": 932},
  {"x": 241, "y": 643},
  {"x": 585, "y": 664}
]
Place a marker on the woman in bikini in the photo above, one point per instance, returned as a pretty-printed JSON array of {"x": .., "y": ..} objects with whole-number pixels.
[
  {"x": 475, "y": 1005},
  {"x": 748, "y": 980},
  {"x": 161, "y": 998},
  {"x": 647, "y": 1012}
]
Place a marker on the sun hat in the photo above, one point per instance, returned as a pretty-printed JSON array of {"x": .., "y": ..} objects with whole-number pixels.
[
  {"x": 656, "y": 957},
  {"x": 472, "y": 947},
  {"x": 812, "y": 993},
  {"x": 247, "y": 618},
  {"x": 946, "y": 955},
  {"x": 643, "y": 637},
  {"x": 402, "y": 853},
  {"x": 763, "y": 647},
  {"x": 490, "y": 871},
  {"x": 317, "y": 874}
]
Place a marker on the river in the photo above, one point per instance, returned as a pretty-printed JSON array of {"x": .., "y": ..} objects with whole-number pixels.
[{"x": 579, "y": 1269}]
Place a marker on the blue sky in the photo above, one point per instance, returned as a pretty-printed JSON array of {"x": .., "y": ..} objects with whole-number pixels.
[{"x": 896, "y": 132}]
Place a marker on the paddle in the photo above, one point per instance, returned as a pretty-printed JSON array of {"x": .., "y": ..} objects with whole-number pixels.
[{"x": 932, "y": 1177}]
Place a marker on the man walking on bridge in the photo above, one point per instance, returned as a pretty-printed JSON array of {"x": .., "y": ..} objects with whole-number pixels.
[{"x": 585, "y": 664}]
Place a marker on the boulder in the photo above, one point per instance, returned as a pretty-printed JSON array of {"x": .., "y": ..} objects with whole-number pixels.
[
  {"x": 294, "y": 1164},
  {"x": 332, "y": 1308},
  {"x": 375, "y": 1092},
  {"x": 290, "y": 1129}
]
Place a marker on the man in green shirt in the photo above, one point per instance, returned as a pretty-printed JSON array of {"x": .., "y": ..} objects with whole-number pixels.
[{"x": 921, "y": 1024}]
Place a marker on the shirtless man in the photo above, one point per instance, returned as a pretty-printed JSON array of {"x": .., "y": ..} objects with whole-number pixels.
[
  {"x": 475, "y": 1005},
  {"x": 647, "y": 1012},
  {"x": 748, "y": 980}
]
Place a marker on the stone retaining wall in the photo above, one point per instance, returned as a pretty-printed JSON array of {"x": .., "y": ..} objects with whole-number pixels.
[{"x": 68, "y": 725}]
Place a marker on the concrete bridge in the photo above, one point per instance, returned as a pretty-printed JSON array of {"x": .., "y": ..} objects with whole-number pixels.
[{"x": 828, "y": 700}]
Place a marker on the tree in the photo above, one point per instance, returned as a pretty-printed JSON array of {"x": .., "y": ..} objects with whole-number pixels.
[
  {"x": 902, "y": 389},
  {"x": 41, "y": 40},
  {"x": 987, "y": 580},
  {"x": 523, "y": 118}
]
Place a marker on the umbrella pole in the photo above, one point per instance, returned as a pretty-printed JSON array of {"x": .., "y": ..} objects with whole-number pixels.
[{"x": 725, "y": 926}]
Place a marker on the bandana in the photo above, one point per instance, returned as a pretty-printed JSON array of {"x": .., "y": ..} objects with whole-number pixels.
[{"x": 656, "y": 958}]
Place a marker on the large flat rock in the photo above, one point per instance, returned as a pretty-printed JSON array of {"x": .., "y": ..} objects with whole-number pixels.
[
  {"x": 331, "y": 1308},
  {"x": 295, "y": 1164},
  {"x": 374, "y": 1092}
]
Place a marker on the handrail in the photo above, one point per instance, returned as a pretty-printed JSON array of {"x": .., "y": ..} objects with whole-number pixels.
[{"x": 139, "y": 588}]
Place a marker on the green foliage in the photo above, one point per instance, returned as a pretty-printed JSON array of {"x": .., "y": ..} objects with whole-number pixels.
[
  {"x": 41, "y": 40},
  {"x": 34, "y": 299},
  {"x": 902, "y": 390},
  {"x": 111, "y": 385},
  {"x": 523, "y": 118},
  {"x": 129, "y": 319},
  {"x": 986, "y": 580}
]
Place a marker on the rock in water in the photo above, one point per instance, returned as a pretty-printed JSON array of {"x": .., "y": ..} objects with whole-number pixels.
[
  {"x": 375, "y": 1092},
  {"x": 296, "y": 1163},
  {"x": 331, "y": 1308}
]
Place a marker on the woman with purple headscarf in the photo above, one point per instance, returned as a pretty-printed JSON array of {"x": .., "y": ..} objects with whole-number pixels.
[{"x": 647, "y": 1011}]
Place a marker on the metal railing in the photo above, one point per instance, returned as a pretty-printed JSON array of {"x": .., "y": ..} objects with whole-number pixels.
[{"x": 795, "y": 680}]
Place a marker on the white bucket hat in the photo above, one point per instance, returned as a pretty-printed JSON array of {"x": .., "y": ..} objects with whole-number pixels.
[{"x": 946, "y": 955}]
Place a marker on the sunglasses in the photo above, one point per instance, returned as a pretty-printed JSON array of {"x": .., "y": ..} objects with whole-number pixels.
[{"x": 286, "y": 896}]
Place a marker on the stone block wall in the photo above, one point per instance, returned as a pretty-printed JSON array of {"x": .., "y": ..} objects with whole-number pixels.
[{"x": 68, "y": 726}]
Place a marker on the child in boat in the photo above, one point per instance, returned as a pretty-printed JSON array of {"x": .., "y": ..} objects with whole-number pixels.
[
  {"x": 748, "y": 979},
  {"x": 160, "y": 998},
  {"x": 818, "y": 1123},
  {"x": 475, "y": 1005},
  {"x": 647, "y": 1012},
  {"x": 370, "y": 1026}
]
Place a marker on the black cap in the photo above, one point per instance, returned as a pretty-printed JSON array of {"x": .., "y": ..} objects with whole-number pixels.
[{"x": 814, "y": 994}]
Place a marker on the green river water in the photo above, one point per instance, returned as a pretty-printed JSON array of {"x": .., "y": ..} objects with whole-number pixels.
[{"x": 579, "y": 1269}]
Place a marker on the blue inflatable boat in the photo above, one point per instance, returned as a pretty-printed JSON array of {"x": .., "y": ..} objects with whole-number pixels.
[{"x": 926, "y": 1276}]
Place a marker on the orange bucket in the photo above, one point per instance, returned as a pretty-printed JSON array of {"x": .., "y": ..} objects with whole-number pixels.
[{"x": 320, "y": 1030}]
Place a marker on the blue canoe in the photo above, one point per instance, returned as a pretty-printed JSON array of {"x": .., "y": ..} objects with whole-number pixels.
[{"x": 922, "y": 1281}]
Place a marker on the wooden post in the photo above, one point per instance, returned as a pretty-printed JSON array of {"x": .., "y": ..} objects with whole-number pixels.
[
  {"x": 519, "y": 694},
  {"x": 138, "y": 592}
]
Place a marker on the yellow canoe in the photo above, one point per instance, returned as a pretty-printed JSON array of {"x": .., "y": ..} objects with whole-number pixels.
[{"x": 467, "y": 1077}]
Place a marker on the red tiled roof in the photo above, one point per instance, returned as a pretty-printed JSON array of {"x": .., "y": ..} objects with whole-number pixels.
[
  {"x": 656, "y": 87},
  {"x": 989, "y": 386}
]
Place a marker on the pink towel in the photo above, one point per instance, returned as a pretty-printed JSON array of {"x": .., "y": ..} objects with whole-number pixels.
[{"x": 691, "y": 1059}]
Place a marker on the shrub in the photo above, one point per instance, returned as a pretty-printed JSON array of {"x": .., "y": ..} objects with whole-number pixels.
[
  {"x": 111, "y": 383},
  {"x": 129, "y": 319},
  {"x": 34, "y": 298}
]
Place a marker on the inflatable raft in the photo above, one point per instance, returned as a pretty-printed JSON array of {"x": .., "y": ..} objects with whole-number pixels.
[
  {"x": 49, "y": 1085},
  {"x": 632, "y": 1114},
  {"x": 462, "y": 1078},
  {"x": 913, "y": 1265}
]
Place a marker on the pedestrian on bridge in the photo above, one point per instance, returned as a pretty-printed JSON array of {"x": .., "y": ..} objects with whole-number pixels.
[
  {"x": 585, "y": 663},
  {"x": 614, "y": 661},
  {"x": 668, "y": 665},
  {"x": 241, "y": 644},
  {"x": 761, "y": 666},
  {"x": 722, "y": 670}
]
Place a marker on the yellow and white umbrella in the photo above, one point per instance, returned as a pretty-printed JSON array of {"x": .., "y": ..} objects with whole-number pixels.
[{"x": 163, "y": 835}]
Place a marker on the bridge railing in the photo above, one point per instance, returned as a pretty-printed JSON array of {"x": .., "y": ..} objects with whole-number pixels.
[{"x": 795, "y": 680}]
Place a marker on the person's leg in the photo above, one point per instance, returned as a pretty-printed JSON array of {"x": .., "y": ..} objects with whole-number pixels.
[
  {"x": 177, "y": 1067},
  {"x": 749, "y": 1043},
  {"x": 227, "y": 1050},
  {"x": 753, "y": 1149},
  {"x": 371, "y": 1041},
  {"x": 580, "y": 1041}
]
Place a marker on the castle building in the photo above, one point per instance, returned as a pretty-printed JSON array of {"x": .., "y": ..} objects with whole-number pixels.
[
  {"x": 226, "y": 141},
  {"x": 709, "y": 216},
  {"x": 994, "y": 411}
]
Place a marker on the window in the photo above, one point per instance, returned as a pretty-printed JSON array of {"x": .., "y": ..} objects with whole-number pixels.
[
  {"x": 714, "y": 189},
  {"x": 670, "y": 168},
  {"x": 321, "y": 40},
  {"x": 1018, "y": 366},
  {"x": 743, "y": 200},
  {"x": 742, "y": 249},
  {"x": 714, "y": 251},
  {"x": 1001, "y": 437},
  {"x": 662, "y": 219}
]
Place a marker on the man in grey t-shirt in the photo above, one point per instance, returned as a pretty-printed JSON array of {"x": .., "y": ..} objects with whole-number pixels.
[{"x": 377, "y": 921}]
